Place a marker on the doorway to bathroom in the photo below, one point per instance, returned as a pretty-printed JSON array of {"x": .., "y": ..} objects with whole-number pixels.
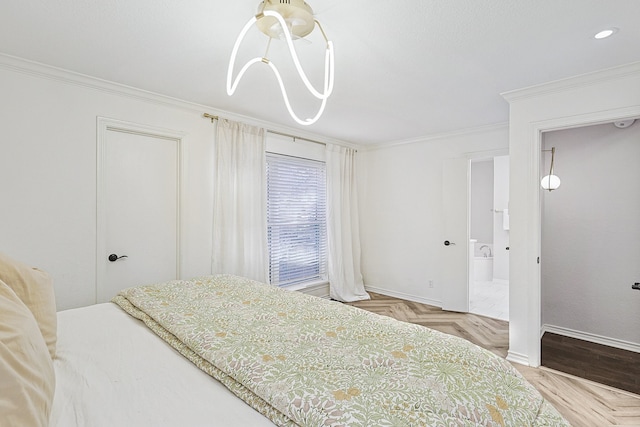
[{"x": 489, "y": 238}]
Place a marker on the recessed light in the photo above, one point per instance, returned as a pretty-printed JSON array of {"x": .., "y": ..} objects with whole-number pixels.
[{"x": 606, "y": 33}]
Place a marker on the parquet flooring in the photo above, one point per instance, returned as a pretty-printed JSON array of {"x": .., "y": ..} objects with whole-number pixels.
[{"x": 582, "y": 402}]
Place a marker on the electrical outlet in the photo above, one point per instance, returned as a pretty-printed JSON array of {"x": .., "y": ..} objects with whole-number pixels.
[{"x": 431, "y": 283}]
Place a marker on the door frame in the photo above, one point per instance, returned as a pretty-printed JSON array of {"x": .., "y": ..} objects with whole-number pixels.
[
  {"x": 480, "y": 157},
  {"x": 104, "y": 125},
  {"x": 535, "y": 172}
]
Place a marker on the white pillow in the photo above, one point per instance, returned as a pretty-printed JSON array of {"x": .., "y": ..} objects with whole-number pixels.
[
  {"x": 27, "y": 378},
  {"x": 35, "y": 288}
]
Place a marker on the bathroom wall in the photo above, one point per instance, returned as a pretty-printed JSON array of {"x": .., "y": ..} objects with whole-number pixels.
[
  {"x": 490, "y": 192},
  {"x": 481, "y": 214},
  {"x": 591, "y": 234}
]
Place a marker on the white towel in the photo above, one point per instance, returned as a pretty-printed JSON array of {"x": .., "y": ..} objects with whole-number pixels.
[{"x": 505, "y": 219}]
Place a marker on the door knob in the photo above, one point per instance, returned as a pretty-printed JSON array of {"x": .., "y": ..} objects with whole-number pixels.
[
  {"x": 114, "y": 257},
  {"x": 447, "y": 243}
]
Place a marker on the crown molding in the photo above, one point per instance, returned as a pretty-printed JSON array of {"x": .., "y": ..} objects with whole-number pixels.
[
  {"x": 61, "y": 75},
  {"x": 582, "y": 80},
  {"x": 49, "y": 72},
  {"x": 437, "y": 137}
]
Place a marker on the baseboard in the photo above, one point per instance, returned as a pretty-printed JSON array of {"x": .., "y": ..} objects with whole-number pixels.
[
  {"x": 521, "y": 359},
  {"x": 404, "y": 296},
  {"x": 586, "y": 336}
]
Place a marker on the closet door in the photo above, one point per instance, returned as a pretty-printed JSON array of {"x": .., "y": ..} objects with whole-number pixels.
[
  {"x": 455, "y": 238},
  {"x": 138, "y": 207}
]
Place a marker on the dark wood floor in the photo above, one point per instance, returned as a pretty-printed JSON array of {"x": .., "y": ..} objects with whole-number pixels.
[
  {"x": 607, "y": 365},
  {"x": 582, "y": 402}
]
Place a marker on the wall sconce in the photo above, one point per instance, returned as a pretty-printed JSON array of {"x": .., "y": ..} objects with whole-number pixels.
[{"x": 550, "y": 182}]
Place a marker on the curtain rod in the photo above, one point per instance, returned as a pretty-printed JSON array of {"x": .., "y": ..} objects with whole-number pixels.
[{"x": 212, "y": 117}]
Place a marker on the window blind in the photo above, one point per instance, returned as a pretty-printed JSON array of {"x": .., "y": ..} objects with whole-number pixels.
[{"x": 296, "y": 219}]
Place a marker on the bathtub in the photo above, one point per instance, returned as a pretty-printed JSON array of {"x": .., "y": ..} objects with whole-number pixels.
[{"x": 482, "y": 269}]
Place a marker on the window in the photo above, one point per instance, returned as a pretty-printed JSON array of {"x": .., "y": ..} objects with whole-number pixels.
[{"x": 296, "y": 219}]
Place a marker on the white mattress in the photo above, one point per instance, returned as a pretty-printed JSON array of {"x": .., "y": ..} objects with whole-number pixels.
[{"x": 111, "y": 370}]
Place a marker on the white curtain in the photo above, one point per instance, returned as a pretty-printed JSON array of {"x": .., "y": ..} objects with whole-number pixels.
[
  {"x": 239, "y": 202},
  {"x": 343, "y": 236}
]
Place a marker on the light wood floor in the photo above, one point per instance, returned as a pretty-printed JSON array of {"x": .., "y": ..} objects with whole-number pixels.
[{"x": 583, "y": 403}]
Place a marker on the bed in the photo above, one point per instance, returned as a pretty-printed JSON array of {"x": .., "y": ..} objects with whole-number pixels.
[
  {"x": 111, "y": 370},
  {"x": 227, "y": 351}
]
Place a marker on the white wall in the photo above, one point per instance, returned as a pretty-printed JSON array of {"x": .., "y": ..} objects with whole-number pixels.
[
  {"x": 48, "y": 123},
  {"x": 588, "y": 99},
  {"x": 481, "y": 212},
  {"x": 401, "y": 224},
  {"x": 591, "y": 233},
  {"x": 48, "y": 175}
]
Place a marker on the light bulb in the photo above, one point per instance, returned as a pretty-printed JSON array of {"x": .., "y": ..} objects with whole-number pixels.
[
  {"x": 550, "y": 182},
  {"x": 606, "y": 33}
]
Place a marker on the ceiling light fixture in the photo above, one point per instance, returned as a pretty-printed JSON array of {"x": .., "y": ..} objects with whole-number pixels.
[
  {"x": 606, "y": 33},
  {"x": 288, "y": 19},
  {"x": 550, "y": 182}
]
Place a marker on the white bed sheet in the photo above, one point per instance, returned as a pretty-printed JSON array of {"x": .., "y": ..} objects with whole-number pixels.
[{"x": 111, "y": 370}]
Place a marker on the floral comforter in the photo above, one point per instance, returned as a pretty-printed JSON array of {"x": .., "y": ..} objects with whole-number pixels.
[{"x": 302, "y": 360}]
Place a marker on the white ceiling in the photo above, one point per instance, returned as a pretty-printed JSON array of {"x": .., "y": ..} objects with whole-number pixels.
[{"x": 404, "y": 69}]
